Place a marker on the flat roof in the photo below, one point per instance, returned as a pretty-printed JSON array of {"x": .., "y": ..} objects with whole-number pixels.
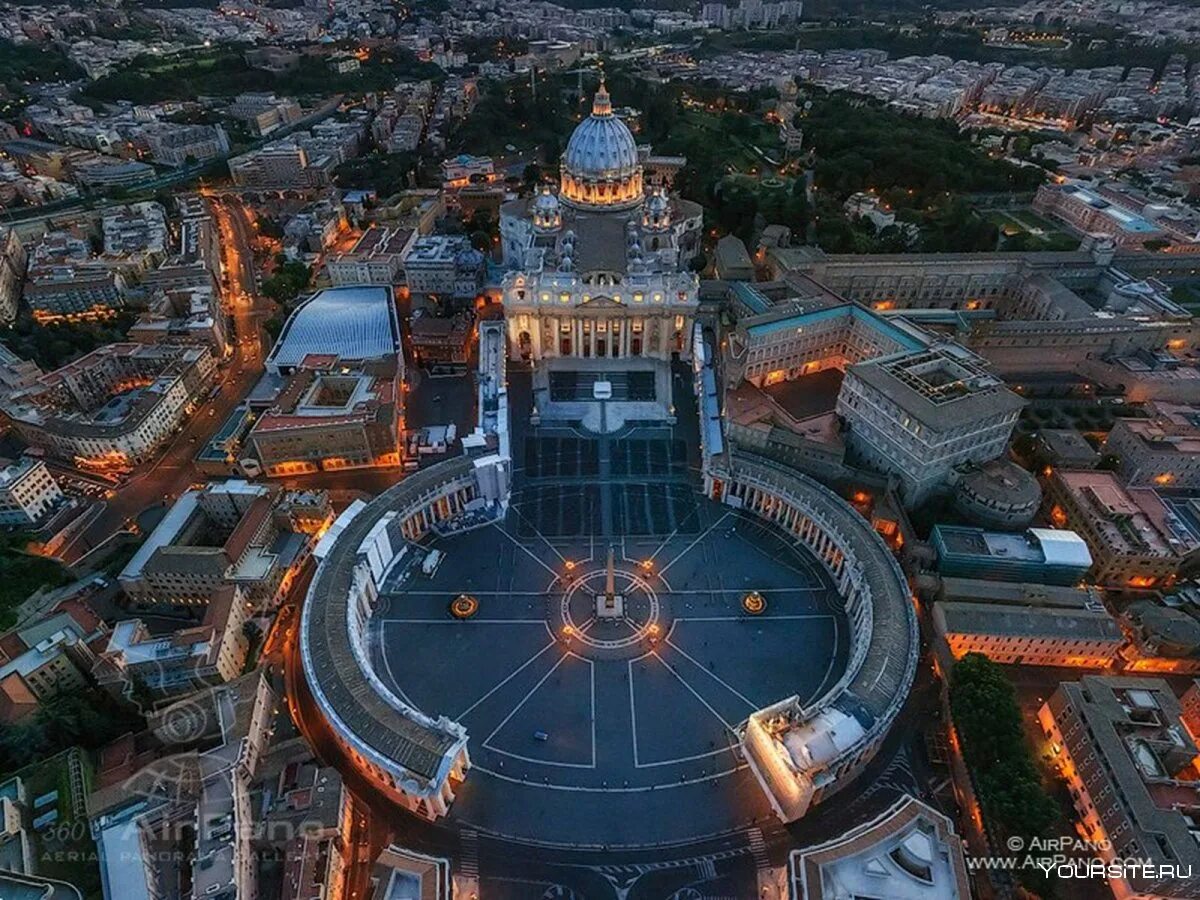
[
  {"x": 1051, "y": 546},
  {"x": 1033, "y": 622}
]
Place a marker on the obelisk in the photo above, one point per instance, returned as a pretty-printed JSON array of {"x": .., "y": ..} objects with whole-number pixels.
[{"x": 610, "y": 604}]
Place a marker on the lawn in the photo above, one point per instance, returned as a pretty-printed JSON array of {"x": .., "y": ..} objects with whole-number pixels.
[
  {"x": 700, "y": 126},
  {"x": 1024, "y": 229},
  {"x": 1187, "y": 296}
]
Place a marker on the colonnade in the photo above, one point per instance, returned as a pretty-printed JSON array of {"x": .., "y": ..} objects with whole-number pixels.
[
  {"x": 596, "y": 336},
  {"x": 437, "y": 507}
]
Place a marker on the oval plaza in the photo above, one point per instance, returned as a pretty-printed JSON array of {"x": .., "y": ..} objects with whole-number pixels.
[{"x": 601, "y": 625}]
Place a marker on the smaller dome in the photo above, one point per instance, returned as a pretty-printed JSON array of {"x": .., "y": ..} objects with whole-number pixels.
[
  {"x": 656, "y": 213},
  {"x": 546, "y": 201},
  {"x": 566, "y": 264},
  {"x": 545, "y": 210}
]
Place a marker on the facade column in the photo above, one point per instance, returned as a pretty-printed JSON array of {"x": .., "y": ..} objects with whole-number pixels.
[
  {"x": 514, "y": 349},
  {"x": 576, "y": 337}
]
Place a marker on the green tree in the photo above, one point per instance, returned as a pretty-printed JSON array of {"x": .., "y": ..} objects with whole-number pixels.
[
  {"x": 287, "y": 282},
  {"x": 988, "y": 721}
]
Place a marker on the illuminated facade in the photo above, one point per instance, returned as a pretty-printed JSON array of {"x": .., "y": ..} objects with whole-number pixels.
[
  {"x": 1131, "y": 769},
  {"x": 415, "y": 759},
  {"x": 1136, "y": 539},
  {"x": 803, "y": 754},
  {"x": 331, "y": 416},
  {"x": 114, "y": 407},
  {"x": 1030, "y": 636},
  {"x": 600, "y": 168},
  {"x": 1162, "y": 450},
  {"x": 599, "y": 278},
  {"x": 231, "y": 533}
]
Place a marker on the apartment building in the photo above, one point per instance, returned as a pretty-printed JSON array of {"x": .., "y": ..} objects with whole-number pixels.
[
  {"x": 46, "y": 657},
  {"x": 115, "y": 406},
  {"x": 134, "y": 662},
  {"x": 28, "y": 493},
  {"x": 173, "y": 144},
  {"x": 1130, "y": 766},
  {"x": 139, "y": 229},
  {"x": 279, "y": 166},
  {"x": 264, "y": 112},
  {"x": 1162, "y": 450},
  {"x": 255, "y": 537},
  {"x": 196, "y": 260},
  {"x": 376, "y": 258},
  {"x": 190, "y": 316},
  {"x": 1136, "y": 537},
  {"x": 312, "y": 805},
  {"x": 206, "y": 750}
]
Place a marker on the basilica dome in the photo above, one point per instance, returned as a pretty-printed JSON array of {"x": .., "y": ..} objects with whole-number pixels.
[{"x": 600, "y": 168}]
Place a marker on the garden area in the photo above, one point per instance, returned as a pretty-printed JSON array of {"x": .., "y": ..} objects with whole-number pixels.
[
  {"x": 1187, "y": 296},
  {"x": 509, "y": 115},
  {"x": 1023, "y": 229},
  {"x": 224, "y": 72},
  {"x": 54, "y": 345}
]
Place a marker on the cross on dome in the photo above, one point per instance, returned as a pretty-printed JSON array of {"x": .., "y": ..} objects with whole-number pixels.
[{"x": 602, "y": 103}]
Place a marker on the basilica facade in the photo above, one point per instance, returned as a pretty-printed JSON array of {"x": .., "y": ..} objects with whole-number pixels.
[{"x": 598, "y": 283}]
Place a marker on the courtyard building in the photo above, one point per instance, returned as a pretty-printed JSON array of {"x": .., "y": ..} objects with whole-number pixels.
[
  {"x": 1129, "y": 763},
  {"x": 1139, "y": 538},
  {"x": 231, "y": 533}
]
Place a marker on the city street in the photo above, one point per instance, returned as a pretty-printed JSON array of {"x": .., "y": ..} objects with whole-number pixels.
[{"x": 174, "y": 470}]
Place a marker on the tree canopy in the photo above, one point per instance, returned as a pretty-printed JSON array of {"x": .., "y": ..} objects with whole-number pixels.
[{"x": 988, "y": 720}]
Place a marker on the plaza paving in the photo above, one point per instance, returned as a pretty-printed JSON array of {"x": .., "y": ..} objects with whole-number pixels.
[{"x": 594, "y": 731}]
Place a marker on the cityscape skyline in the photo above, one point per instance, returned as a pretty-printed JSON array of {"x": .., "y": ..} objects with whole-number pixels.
[{"x": 659, "y": 451}]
